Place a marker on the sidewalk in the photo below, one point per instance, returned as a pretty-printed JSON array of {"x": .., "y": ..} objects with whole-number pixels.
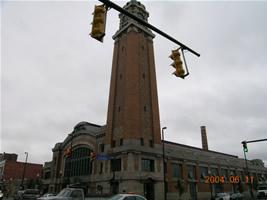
[{"x": 9, "y": 198}]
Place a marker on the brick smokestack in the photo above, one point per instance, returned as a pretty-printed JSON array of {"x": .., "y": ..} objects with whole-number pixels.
[{"x": 204, "y": 138}]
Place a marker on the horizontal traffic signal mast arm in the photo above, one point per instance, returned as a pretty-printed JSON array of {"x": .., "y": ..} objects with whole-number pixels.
[
  {"x": 125, "y": 12},
  {"x": 251, "y": 141}
]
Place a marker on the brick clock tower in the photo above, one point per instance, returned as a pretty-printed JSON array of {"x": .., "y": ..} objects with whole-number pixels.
[{"x": 133, "y": 126}]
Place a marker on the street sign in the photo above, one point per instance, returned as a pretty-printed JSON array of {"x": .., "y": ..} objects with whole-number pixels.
[{"x": 102, "y": 157}]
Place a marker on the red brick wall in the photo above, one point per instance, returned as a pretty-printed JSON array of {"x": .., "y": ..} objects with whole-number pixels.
[
  {"x": 133, "y": 111},
  {"x": 14, "y": 170}
]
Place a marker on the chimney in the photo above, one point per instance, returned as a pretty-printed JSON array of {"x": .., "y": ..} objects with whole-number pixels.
[{"x": 204, "y": 138}]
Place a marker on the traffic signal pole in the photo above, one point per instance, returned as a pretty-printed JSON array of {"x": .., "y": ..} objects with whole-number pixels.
[
  {"x": 251, "y": 141},
  {"x": 249, "y": 181},
  {"x": 245, "y": 149},
  {"x": 144, "y": 23}
]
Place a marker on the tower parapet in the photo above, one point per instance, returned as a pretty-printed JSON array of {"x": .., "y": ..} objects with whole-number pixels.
[{"x": 137, "y": 9}]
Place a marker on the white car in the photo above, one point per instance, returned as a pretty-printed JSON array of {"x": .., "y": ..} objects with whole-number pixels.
[
  {"x": 1, "y": 195},
  {"x": 127, "y": 197},
  {"x": 222, "y": 196},
  {"x": 236, "y": 196},
  {"x": 46, "y": 196}
]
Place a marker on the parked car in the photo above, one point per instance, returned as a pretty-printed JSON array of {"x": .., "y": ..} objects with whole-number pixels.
[
  {"x": 18, "y": 195},
  {"x": 1, "y": 195},
  {"x": 236, "y": 196},
  {"x": 30, "y": 194},
  {"x": 45, "y": 196},
  {"x": 262, "y": 191},
  {"x": 67, "y": 194},
  {"x": 127, "y": 197},
  {"x": 222, "y": 196}
]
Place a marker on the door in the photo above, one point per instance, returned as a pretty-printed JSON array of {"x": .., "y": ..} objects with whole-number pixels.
[
  {"x": 193, "y": 190},
  {"x": 115, "y": 187},
  {"x": 149, "y": 190}
]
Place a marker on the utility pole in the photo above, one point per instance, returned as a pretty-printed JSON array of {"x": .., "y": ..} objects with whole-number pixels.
[
  {"x": 24, "y": 169},
  {"x": 249, "y": 182},
  {"x": 164, "y": 167}
]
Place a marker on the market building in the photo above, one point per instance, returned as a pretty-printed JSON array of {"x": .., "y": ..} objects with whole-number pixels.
[{"x": 126, "y": 154}]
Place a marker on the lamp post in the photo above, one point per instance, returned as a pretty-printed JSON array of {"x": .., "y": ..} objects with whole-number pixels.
[
  {"x": 232, "y": 174},
  {"x": 209, "y": 173},
  {"x": 24, "y": 169},
  {"x": 164, "y": 167},
  {"x": 38, "y": 181},
  {"x": 70, "y": 170}
]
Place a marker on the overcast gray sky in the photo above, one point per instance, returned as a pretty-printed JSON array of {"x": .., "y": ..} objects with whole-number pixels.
[{"x": 54, "y": 75}]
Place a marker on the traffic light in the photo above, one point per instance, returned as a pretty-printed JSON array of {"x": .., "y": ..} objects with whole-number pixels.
[
  {"x": 245, "y": 147},
  {"x": 67, "y": 152},
  {"x": 99, "y": 22},
  {"x": 92, "y": 155},
  {"x": 177, "y": 64}
]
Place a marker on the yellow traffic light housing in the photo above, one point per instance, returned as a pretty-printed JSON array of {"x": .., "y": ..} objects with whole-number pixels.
[
  {"x": 99, "y": 22},
  {"x": 92, "y": 155},
  {"x": 177, "y": 63},
  {"x": 67, "y": 152}
]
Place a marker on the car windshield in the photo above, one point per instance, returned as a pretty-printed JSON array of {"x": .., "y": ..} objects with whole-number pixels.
[
  {"x": 29, "y": 191},
  {"x": 48, "y": 195},
  {"x": 262, "y": 188},
  {"x": 116, "y": 197},
  {"x": 64, "y": 193},
  {"x": 219, "y": 195}
]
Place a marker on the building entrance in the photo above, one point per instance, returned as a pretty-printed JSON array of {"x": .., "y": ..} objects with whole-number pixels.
[
  {"x": 193, "y": 190},
  {"x": 149, "y": 191},
  {"x": 114, "y": 187}
]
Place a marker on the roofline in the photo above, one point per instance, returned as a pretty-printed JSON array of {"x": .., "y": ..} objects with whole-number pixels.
[
  {"x": 96, "y": 125},
  {"x": 28, "y": 163},
  {"x": 183, "y": 145}
]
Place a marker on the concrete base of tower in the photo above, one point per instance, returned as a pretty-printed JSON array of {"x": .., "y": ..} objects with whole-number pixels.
[
  {"x": 187, "y": 195},
  {"x": 152, "y": 190},
  {"x": 149, "y": 188}
]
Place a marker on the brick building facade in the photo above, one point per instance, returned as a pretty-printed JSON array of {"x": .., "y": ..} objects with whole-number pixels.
[
  {"x": 128, "y": 149},
  {"x": 11, "y": 171}
]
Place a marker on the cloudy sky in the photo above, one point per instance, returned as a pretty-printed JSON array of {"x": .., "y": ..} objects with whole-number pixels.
[{"x": 54, "y": 75}]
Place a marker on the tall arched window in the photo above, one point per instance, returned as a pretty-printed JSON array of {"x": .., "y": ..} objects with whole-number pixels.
[{"x": 78, "y": 162}]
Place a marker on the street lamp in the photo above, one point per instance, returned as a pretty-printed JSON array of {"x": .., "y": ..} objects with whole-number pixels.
[
  {"x": 164, "y": 167},
  {"x": 70, "y": 170},
  {"x": 38, "y": 181},
  {"x": 209, "y": 173},
  {"x": 23, "y": 175}
]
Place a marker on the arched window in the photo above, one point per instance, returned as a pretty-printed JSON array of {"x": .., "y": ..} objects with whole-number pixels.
[{"x": 78, "y": 162}]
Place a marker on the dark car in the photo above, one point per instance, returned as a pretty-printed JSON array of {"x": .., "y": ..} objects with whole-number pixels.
[
  {"x": 31, "y": 194},
  {"x": 18, "y": 195},
  {"x": 262, "y": 191}
]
